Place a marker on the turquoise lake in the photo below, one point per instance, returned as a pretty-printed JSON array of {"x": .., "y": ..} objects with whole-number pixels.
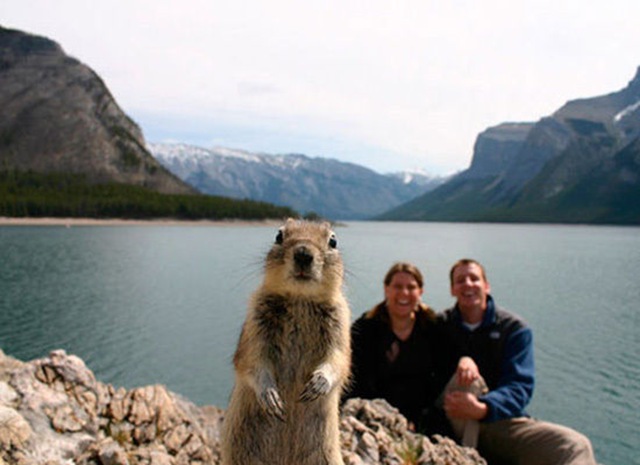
[{"x": 164, "y": 304}]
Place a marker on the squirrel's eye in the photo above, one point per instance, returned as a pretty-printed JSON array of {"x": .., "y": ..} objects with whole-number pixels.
[
  {"x": 333, "y": 241},
  {"x": 279, "y": 237}
]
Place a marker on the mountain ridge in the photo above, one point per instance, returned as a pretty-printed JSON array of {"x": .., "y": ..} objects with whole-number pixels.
[
  {"x": 325, "y": 186},
  {"x": 68, "y": 149},
  {"x": 58, "y": 115},
  {"x": 543, "y": 178}
]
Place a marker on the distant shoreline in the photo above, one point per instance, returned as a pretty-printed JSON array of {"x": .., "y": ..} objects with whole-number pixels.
[{"x": 69, "y": 222}]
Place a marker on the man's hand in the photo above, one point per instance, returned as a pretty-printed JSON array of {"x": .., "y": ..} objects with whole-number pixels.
[
  {"x": 465, "y": 406},
  {"x": 466, "y": 372}
]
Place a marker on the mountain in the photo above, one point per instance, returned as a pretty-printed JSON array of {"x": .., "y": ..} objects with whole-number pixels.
[
  {"x": 579, "y": 165},
  {"x": 58, "y": 116},
  {"x": 495, "y": 148},
  {"x": 327, "y": 187}
]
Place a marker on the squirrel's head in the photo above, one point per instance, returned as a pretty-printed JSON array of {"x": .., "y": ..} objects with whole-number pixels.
[{"x": 304, "y": 259}]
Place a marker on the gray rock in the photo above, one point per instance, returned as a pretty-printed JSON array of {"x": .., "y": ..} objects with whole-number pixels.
[
  {"x": 53, "y": 411},
  {"x": 14, "y": 429},
  {"x": 374, "y": 432}
]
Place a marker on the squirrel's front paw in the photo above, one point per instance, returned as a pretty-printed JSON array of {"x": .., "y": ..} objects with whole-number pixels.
[
  {"x": 271, "y": 402},
  {"x": 317, "y": 386}
]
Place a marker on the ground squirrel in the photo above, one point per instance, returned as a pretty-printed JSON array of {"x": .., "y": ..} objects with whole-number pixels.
[{"x": 293, "y": 356}]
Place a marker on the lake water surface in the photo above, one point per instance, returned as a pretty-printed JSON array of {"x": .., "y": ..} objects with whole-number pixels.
[{"x": 164, "y": 304}]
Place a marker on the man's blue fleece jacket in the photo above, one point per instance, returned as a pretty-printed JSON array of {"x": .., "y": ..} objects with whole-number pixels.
[{"x": 502, "y": 347}]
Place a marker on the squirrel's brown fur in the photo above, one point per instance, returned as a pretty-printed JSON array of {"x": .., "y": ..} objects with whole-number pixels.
[{"x": 293, "y": 356}]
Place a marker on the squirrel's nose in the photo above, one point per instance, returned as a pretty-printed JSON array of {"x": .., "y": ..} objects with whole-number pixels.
[{"x": 302, "y": 256}]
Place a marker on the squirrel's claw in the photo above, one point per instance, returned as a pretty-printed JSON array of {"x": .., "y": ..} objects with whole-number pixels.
[
  {"x": 317, "y": 386},
  {"x": 272, "y": 403}
]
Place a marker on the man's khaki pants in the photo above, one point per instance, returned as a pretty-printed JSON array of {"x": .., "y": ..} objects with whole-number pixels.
[{"x": 522, "y": 440}]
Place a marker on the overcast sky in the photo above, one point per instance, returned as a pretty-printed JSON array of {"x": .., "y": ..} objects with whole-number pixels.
[{"x": 390, "y": 85}]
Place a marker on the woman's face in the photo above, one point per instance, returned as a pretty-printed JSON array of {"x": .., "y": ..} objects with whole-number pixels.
[{"x": 402, "y": 295}]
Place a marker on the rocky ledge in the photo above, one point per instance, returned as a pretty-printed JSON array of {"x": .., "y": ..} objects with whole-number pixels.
[{"x": 53, "y": 411}]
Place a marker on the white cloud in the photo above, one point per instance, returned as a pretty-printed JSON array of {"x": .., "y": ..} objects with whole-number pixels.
[{"x": 391, "y": 85}]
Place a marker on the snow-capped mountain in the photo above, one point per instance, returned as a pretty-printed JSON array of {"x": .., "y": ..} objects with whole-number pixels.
[
  {"x": 581, "y": 164},
  {"x": 328, "y": 187}
]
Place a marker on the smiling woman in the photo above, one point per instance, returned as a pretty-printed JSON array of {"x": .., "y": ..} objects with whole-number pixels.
[
  {"x": 402, "y": 291},
  {"x": 392, "y": 350}
]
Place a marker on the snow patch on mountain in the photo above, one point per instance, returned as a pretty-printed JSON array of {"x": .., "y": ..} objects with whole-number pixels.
[
  {"x": 626, "y": 112},
  {"x": 418, "y": 177},
  {"x": 183, "y": 152}
]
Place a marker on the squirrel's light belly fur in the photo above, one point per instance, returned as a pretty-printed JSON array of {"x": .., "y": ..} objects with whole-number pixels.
[{"x": 293, "y": 356}]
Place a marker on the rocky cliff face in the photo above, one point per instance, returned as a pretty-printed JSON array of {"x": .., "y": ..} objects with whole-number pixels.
[
  {"x": 577, "y": 138},
  {"x": 541, "y": 177},
  {"x": 53, "y": 411},
  {"x": 495, "y": 149},
  {"x": 593, "y": 132},
  {"x": 58, "y": 116}
]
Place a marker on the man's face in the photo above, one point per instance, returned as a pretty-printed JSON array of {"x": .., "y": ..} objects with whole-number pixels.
[{"x": 469, "y": 287}]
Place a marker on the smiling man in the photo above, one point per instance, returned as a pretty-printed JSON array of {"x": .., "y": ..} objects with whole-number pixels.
[{"x": 498, "y": 347}]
